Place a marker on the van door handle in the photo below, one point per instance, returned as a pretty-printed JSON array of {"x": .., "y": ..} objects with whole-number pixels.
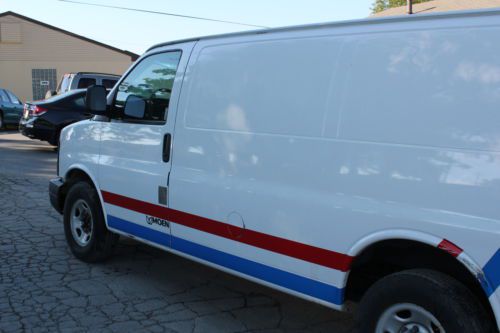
[{"x": 167, "y": 140}]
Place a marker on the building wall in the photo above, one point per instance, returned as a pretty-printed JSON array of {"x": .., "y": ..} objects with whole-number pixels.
[{"x": 39, "y": 47}]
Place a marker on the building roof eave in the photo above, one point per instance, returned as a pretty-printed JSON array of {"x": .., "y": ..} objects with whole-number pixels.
[{"x": 132, "y": 55}]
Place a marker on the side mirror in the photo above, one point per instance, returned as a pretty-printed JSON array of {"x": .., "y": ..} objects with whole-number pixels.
[
  {"x": 95, "y": 101},
  {"x": 135, "y": 107}
]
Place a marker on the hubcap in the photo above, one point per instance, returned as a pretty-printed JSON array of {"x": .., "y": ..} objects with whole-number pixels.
[
  {"x": 408, "y": 318},
  {"x": 81, "y": 222}
]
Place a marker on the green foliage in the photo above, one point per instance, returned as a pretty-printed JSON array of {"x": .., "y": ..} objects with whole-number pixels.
[{"x": 380, "y": 5}]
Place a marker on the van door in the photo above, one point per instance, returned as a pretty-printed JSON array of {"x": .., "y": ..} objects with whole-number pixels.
[{"x": 134, "y": 162}]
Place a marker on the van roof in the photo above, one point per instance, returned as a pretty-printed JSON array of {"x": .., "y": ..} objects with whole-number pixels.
[{"x": 365, "y": 21}]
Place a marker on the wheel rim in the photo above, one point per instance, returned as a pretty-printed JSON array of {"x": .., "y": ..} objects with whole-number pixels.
[
  {"x": 82, "y": 222},
  {"x": 408, "y": 318}
]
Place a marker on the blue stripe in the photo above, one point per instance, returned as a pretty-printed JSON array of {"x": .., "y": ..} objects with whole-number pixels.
[
  {"x": 492, "y": 272},
  {"x": 316, "y": 289},
  {"x": 273, "y": 275},
  {"x": 151, "y": 235}
]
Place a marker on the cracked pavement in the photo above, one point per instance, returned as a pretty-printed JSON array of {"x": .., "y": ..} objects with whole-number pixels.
[{"x": 43, "y": 288}]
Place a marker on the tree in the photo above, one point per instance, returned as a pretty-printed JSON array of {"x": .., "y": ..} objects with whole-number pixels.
[{"x": 380, "y": 5}]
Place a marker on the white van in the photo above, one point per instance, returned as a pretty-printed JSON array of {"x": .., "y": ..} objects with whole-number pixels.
[{"x": 346, "y": 161}]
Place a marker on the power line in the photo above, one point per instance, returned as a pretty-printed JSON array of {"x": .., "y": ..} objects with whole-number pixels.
[{"x": 164, "y": 13}]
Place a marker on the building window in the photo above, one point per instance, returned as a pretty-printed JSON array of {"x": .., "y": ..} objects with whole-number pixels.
[{"x": 43, "y": 80}]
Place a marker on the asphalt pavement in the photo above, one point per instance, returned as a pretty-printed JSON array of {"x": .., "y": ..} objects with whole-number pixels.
[
  {"x": 43, "y": 288},
  {"x": 23, "y": 157}
]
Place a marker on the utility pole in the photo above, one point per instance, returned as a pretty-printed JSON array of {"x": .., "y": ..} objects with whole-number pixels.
[{"x": 410, "y": 7}]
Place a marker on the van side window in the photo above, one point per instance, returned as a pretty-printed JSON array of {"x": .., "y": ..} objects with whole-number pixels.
[{"x": 149, "y": 83}]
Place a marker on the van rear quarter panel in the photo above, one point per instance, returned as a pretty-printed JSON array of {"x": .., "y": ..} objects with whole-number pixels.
[{"x": 330, "y": 135}]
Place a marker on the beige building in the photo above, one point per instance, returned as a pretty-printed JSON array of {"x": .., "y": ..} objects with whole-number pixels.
[
  {"x": 441, "y": 6},
  {"x": 35, "y": 55}
]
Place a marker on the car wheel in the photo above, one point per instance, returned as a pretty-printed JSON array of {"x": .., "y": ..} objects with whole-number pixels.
[
  {"x": 416, "y": 301},
  {"x": 84, "y": 225},
  {"x": 1, "y": 121}
]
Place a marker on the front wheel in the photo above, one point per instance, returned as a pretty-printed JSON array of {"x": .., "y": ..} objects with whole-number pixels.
[
  {"x": 1, "y": 121},
  {"x": 421, "y": 301},
  {"x": 84, "y": 225}
]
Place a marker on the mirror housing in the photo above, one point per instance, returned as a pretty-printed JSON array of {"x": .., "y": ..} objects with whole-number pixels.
[
  {"x": 135, "y": 107},
  {"x": 96, "y": 99}
]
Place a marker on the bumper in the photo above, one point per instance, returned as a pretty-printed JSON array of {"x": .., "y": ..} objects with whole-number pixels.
[
  {"x": 26, "y": 127},
  {"x": 30, "y": 129},
  {"x": 26, "y": 131},
  {"x": 55, "y": 187}
]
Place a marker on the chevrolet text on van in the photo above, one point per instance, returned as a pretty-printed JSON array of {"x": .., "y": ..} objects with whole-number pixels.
[{"x": 347, "y": 161}]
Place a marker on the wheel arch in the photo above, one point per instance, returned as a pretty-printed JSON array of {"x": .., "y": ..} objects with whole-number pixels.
[
  {"x": 72, "y": 176},
  {"x": 383, "y": 253}
]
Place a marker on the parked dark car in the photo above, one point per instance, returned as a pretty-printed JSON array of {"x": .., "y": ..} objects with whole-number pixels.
[
  {"x": 44, "y": 120},
  {"x": 11, "y": 108}
]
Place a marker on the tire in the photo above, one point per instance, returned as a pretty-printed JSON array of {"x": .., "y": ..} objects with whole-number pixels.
[
  {"x": 96, "y": 243},
  {"x": 2, "y": 125},
  {"x": 452, "y": 306}
]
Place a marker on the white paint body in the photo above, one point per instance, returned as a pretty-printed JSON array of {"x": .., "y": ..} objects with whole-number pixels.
[{"x": 336, "y": 136}]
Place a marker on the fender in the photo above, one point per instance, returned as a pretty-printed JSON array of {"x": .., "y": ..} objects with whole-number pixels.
[
  {"x": 95, "y": 183},
  {"x": 472, "y": 266}
]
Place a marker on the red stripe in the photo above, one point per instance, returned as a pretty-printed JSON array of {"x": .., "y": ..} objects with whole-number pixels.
[
  {"x": 323, "y": 257},
  {"x": 449, "y": 247}
]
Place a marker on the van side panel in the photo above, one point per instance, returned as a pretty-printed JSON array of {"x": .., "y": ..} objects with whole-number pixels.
[
  {"x": 252, "y": 115},
  {"x": 326, "y": 140},
  {"x": 271, "y": 87},
  {"x": 425, "y": 135},
  {"x": 438, "y": 88}
]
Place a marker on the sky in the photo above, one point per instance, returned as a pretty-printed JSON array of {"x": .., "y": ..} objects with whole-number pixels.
[{"x": 136, "y": 32}]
